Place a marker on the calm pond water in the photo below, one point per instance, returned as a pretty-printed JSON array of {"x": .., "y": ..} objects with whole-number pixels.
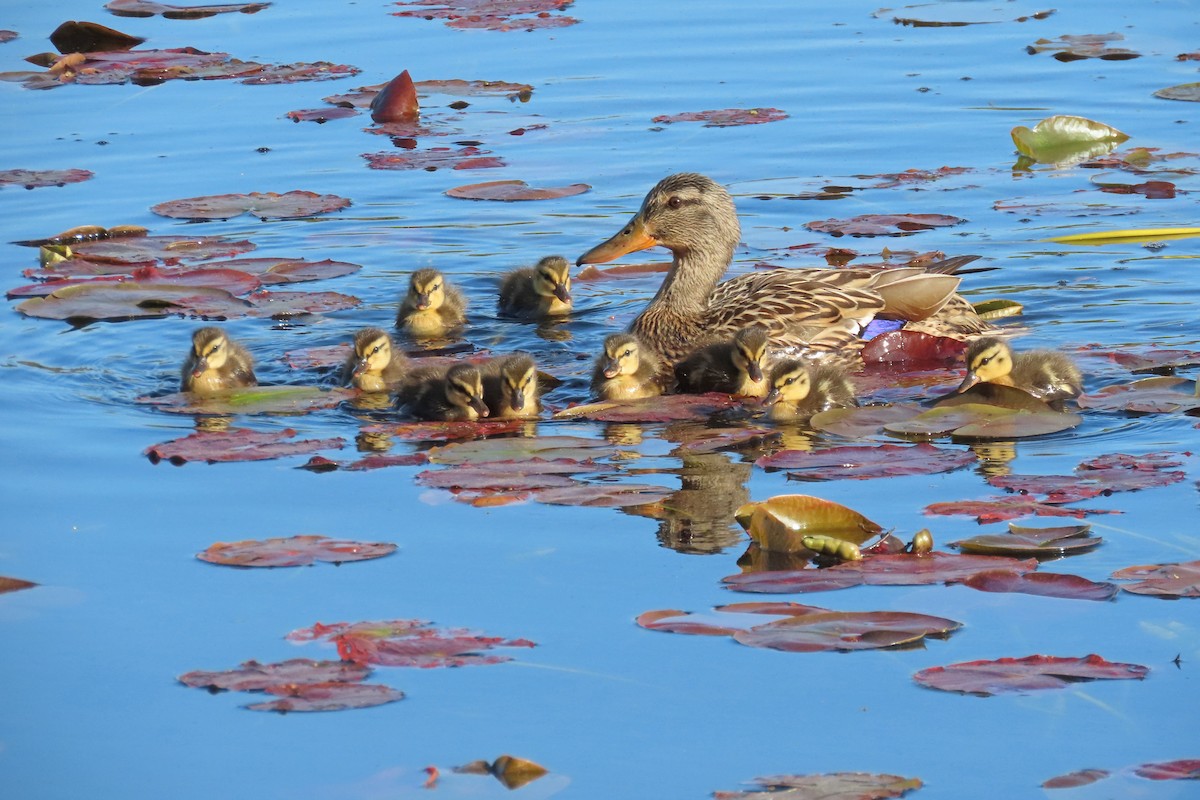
[{"x": 91, "y": 704}]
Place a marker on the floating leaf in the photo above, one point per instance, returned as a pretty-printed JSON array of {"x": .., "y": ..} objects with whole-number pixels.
[
  {"x": 1161, "y": 395},
  {"x": 1077, "y": 47},
  {"x": 321, "y": 115},
  {"x": 831, "y": 786},
  {"x": 493, "y": 15},
  {"x": 1037, "y": 542},
  {"x": 1162, "y": 580},
  {"x": 1128, "y": 236},
  {"x": 252, "y": 400},
  {"x": 442, "y": 431},
  {"x": 845, "y": 630},
  {"x": 1044, "y": 584},
  {"x": 39, "y": 178},
  {"x": 517, "y": 449},
  {"x": 510, "y": 191},
  {"x": 410, "y": 643},
  {"x": 862, "y": 421},
  {"x": 1064, "y": 139},
  {"x": 434, "y": 158},
  {"x": 725, "y": 117},
  {"x": 1075, "y": 779},
  {"x": 379, "y": 461},
  {"x": 293, "y": 551},
  {"x": 687, "y": 622},
  {"x": 972, "y": 421},
  {"x": 1004, "y": 508},
  {"x": 170, "y": 250},
  {"x": 327, "y": 697},
  {"x": 147, "y": 8},
  {"x": 864, "y": 462},
  {"x": 501, "y": 476},
  {"x": 118, "y": 301},
  {"x": 1189, "y": 92},
  {"x": 237, "y": 444},
  {"x": 89, "y": 37},
  {"x": 998, "y": 309},
  {"x": 1181, "y": 770},
  {"x": 606, "y": 495},
  {"x": 1162, "y": 361},
  {"x": 229, "y": 280},
  {"x": 1004, "y": 675},
  {"x": 252, "y": 676},
  {"x": 264, "y": 205},
  {"x": 883, "y": 224},
  {"x": 782, "y": 522},
  {"x": 670, "y": 408},
  {"x": 14, "y": 584},
  {"x": 912, "y": 347}
]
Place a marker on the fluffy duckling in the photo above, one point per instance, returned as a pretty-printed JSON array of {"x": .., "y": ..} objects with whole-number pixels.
[
  {"x": 510, "y": 387},
  {"x": 543, "y": 290},
  {"x": 732, "y": 366},
  {"x": 626, "y": 370},
  {"x": 452, "y": 395},
  {"x": 216, "y": 363},
  {"x": 1046, "y": 374},
  {"x": 432, "y": 307},
  {"x": 375, "y": 365},
  {"x": 799, "y": 389}
]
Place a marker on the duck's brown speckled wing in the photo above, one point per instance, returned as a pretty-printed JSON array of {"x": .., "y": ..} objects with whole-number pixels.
[{"x": 790, "y": 303}]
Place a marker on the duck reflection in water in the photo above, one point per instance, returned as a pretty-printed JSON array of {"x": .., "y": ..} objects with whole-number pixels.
[{"x": 698, "y": 517}]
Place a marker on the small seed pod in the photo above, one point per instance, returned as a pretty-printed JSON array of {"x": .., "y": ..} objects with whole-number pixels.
[
  {"x": 922, "y": 542},
  {"x": 830, "y": 546}
]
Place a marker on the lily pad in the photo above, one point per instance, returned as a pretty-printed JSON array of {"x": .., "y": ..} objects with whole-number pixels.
[
  {"x": 39, "y": 178},
  {"x": 252, "y": 400},
  {"x": 282, "y": 305},
  {"x": 1038, "y": 542},
  {"x": 1160, "y": 395},
  {"x": 1044, "y": 584},
  {"x": 1188, "y": 92},
  {"x": 89, "y": 37},
  {"x": 782, "y": 522},
  {"x": 321, "y": 115},
  {"x": 520, "y": 448},
  {"x": 293, "y": 551},
  {"x": 410, "y": 643},
  {"x": 675, "y": 621},
  {"x": 865, "y": 462},
  {"x": 252, "y": 676},
  {"x": 883, "y": 224},
  {"x": 230, "y": 280},
  {"x": 831, "y": 786},
  {"x": 511, "y": 191},
  {"x": 434, "y": 158},
  {"x": 845, "y": 631},
  {"x": 1162, "y": 580},
  {"x": 492, "y": 15},
  {"x": 604, "y": 495},
  {"x": 264, "y": 205},
  {"x": 670, "y": 408},
  {"x": 912, "y": 347},
  {"x": 999, "y": 509},
  {"x": 119, "y": 301},
  {"x": 1072, "y": 780},
  {"x": 501, "y": 476},
  {"x": 1077, "y": 47},
  {"x": 147, "y": 8},
  {"x": 861, "y": 421},
  {"x": 1065, "y": 139},
  {"x": 168, "y": 250},
  {"x": 973, "y": 421},
  {"x": 290, "y": 270},
  {"x": 331, "y": 696},
  {"x": 443, "y": 431},
  {"x": 998, "y": 309},
  {"x": 237, "y": 444},
  {"x": 725, "y": 117},
  {"x": 14, "y": 584},
  {"x": 1180, "y": 770},
  {"x": 1007, "y": 675}
]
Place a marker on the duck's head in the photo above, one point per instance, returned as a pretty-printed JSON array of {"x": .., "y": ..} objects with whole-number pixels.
[
  {"x": 622, "y": 355},
  {"x": 210, "y": 347},
  {"x": 464, "y": 388},
  {"x": 372, "y": 351},
  {"x": 791, "y": 382},
  {"x": 427, "y": 289},
  {"x": 685, "y": 212},
  {"x": 750, "y": 351},
  {"x": 518, "y": 380},
  {"x": 552, "y": 278},
  {"x": 987, "y": 359}
]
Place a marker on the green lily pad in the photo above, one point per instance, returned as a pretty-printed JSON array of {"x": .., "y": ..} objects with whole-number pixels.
[
  {"x": 782, "y": 522},
  {"x": 252, "y": 400},
  {"x": 1189, "y": 92},
  {"x": 1064, "y": 139},
  {"x": 976, "y": 421},
  {"x": 1026, "y": 541}
]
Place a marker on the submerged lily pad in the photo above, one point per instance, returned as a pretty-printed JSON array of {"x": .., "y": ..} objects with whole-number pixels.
[
  {"x": 293, "y": 551},
  {"x": 39, "y": 178},
  {"x": 264, "y": 205},
  {"x": 237, "y": 444},
  {"x": 864, "y": 462},
  {"x": 782, "y": 522},
  {"x": 442, "y": 431},
  {"x": 1072, "y": 780},
  {"x": 1005, "y": 675},
  {"x": 332, "y": 696},
  {"x": 168, "y": 250},
  {"x": 1162, "y": 580},
  {"x": 511, "y": 191},
  {"x": 831, "y": 786},
  {"x": 725, "y": 117},
  {"x": 883, "y": 224},
  {"x": 252, "y": 676},
  {"x": 88, "y": 37}
]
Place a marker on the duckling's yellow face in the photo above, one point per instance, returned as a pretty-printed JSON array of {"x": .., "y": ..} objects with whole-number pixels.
[
  {"x": 464, "y": 389},
  {"x": 749, "y": 353},
  {"x": 987, "y": 360},
  {"x": 427, "y": 290},
  {"x": 621, "y": 356},
  {"x": 372, "y": 354},
  {"x": 552, "y": 278},
  {"x": 520, "y": 384},
  {"x": 211, "y": 349},
  {"x": 789, "y": 386}
]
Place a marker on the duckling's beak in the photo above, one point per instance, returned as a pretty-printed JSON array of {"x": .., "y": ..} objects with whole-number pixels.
[
  {"x": 422, "y": 301},
  {"x": 612, "y": 368},
  {"x": 772, "y": 396},
  {"x": 754, "y": 370},
  {"x": 200, "y": 368},
  {"x": 562, "y": 292},
  {"x": 518, "y": 400},
  {"x": 480, "y": 408},
  {"x": 633, "y": 237},
  {"x": 360, "y": 366},
  {"x": 969, "y": 381}
]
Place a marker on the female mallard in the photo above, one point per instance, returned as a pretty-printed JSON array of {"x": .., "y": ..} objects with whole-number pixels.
[
  {"x": 510, "y": 387},
  {"x": 375, "y": 365},
  {"x": 543, "y": 290},
  {"x": 448, "y": 395},
  {"x": 432, "y": 307},
  {"x": 1046, "y": 374},
  {"x": 626, "y": 370},
  {"x": 734, "y": 366},
  {"x": 817, "y": 310},
  {"x": 216, "y": 363},
  {"x": 799, "y": 389}
]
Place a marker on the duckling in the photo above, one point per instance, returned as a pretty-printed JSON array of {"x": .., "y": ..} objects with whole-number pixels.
[
  {"x": 543, "y": 290},
  {"x": 453, "y": 395},
  {"x": 626, "y": 370},
  {"x": 799, "y": 389},
  {"x": 216, "y": 363},
  {"x": 510, "y": 387},
  {"x": 1048, "y": 375},
  {"x": 432, "y": 307},
  {"x": 732, "y": 366},
  {"x": 375, "y": 365}
]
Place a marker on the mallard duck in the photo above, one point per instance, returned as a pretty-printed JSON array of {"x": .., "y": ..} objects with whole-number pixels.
[
  {"x": 510, "y": 387},
  {"x": 450, "y": 395},
  {"x": 431, "y": 307},
  {"x": 543, "y": 290},
  {"x": 819, "y": 311},
  {"x": 800, "y": 389},
  {"x": 1046, "y": 374},
  {"x": 734, "y": 366},
  {"x": 626, "y": 371},
  {"x": 375, "y": 365},
  {"x": 216, "y": 363}
]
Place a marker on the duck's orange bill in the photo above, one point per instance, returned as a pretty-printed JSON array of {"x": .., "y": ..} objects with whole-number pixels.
[{"x": 633, "y": 237}]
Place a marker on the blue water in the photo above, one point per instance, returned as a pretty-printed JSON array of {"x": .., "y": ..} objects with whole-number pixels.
[{"x": 91, "y": 705}]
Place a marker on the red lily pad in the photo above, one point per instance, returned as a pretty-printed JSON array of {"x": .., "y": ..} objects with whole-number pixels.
[
  {"x": 1044, "y": 584},
  {"x": 1151, "y": 190},
  {"x": 865, "y": 462},
  {"x": 443, "y": 431},
  {"x": 237, "y": 444},
  {"x": 411, "y": 643},
  {"x": 1036, "y": 542},
  {"x": 331, "y": 696},
  {"x": 912, "y": 347},
  {"x": 293, "y": 551},
  {"x": 380, "y": 461},
  {"x": 88, "y": 37},
  {"x": 1147, "y": 462},
  {"x": 252, "y": 676},
  {"x": 14, "y": 584},
  {"x": 502, "y": 476},
  {"x": 264, "y": 205},
  {"x": 1161, "y": 395},
  {"x": 725, "y": 117},
  {"x": 1072, "y": 780},
  {"x": 1056, "y": 488},
  {"x": 290, "y": 270},
  {"x": 670, "y": 408},
  {"x": 40, "y": 178},
  {"x": 232, "y": 281},
  {"x": 147, "y": 8},
  {"x": 495, "y": 15},
  {"x": 1162, "y": 580},
  {"x": 1006, "y": 675},
  {"x": 1181, "y": 770},
  {"x": 300, "y": 72},
  {"x": 434, "y": 158},
  {"x": 831, "y": 786},
  {"x": 671, "y": 620},
  {"x": 397, "y": 101},
  {"x": 701, "y": 438},
  {"x": 168, "y": 250},
  {"x": 512, "y": 191},
  {"x": 1151, "y": 360},
  {"x": 281, "y": 305},
  {"x": 1000, "y": 509},
  {"x": 252, "y": 400},
  {"x": 604, "y": 495},
  {"x": 118, "y": 301},
  {"x": 7, "y": 36},
  {"x": 883, "y": 224}
]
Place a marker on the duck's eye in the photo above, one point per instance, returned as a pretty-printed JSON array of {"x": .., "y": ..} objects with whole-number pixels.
[
  {"x": 627, "y": 353},
  {"x": 376, "y": 349},
  {"x": 674, "y": 201}
]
